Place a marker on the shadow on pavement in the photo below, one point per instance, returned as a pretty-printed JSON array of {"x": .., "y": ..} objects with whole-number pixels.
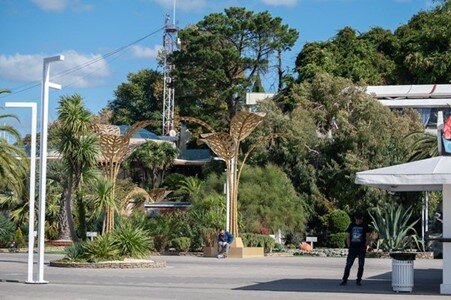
[{"x": 427, "y": 282}]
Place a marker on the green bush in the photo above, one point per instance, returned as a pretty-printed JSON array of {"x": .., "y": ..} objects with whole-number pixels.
[
  {"x": 258, "y": 240},
  {"x": 131, "y": 241},
  {"x": 336, "y": 240},
  {"x": 278, "y": 248},
  {"x": 75, "y": 252},
  {"x": 181, "y": 244},
  {"x": 338, "y": 221},
  {"x": 20, "y": 240},
  {"x": 7, "y": 231},
  {"x": 100, "y": 249}
]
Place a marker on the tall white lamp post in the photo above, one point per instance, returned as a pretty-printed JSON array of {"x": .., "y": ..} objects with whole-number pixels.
[
  {"x": 46, "y": 84},
  {"x": 32, "y": 187}
]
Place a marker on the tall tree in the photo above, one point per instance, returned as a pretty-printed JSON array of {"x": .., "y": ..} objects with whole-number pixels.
[
  {"x": 424, "y": 55},
  {"x": 359, "y": 57},
  {"x": 79, "y": 149},
  {"x": 138, "y": 99},
  {"x": 220, "y": 57}
]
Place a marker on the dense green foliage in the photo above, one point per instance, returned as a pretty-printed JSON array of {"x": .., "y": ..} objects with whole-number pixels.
[
  {"x": 153, "y": 159},
  {"x": 258, "y": 240},
  {"x": 338, "y": 221},
  {"x": 181, "y": 244},
  {"x": 220, "y": 57},
  {"x": 267, "y": 199},
  {"x": 335, "y": 240},
  {"x": 7, "y": 231},
  {"x": 418, "y": 52},
  {"x": 138, "y": 99}
]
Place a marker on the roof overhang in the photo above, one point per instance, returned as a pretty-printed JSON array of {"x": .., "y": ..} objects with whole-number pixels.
[{"x": 423, "y": 175}]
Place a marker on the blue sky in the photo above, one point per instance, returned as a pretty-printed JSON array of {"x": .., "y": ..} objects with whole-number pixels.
[{"x": 84, "y": 30}]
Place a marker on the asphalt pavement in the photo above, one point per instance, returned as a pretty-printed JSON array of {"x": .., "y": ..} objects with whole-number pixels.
[{"x": 190, "y": 277}]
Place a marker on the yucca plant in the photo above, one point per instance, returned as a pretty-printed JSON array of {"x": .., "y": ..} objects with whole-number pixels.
[
  {"x": 395, "y": 231},
  {"x": 76, "y": 251},
  {"x": 131, "y": 241},
  {"x": 100, "y": 249}
]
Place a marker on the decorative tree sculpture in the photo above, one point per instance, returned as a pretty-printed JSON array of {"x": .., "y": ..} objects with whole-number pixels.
[
  {"x": 114, "y": 149},
  {"x": 226, "y": 146}
]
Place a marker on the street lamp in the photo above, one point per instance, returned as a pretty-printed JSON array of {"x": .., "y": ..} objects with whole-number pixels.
[
  {"x": 46, "y": 84},
  {"x": 32, "y": 187}
]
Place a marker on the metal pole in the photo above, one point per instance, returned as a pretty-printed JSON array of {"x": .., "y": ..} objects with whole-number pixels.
[
  {"x": 46, "y": 84},
  {"x": 32, "y": 186},
  {"x": 426, "y": 223}
]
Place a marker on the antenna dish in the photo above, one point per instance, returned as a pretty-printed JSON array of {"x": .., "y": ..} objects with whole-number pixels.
[{"x": 172, "y": 133}]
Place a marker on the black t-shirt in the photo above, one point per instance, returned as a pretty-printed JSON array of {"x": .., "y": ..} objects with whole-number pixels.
[{"x": 357, "y": 234}]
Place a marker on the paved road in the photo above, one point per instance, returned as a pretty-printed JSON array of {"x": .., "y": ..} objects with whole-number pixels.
[{"x": 210, "y": 278}]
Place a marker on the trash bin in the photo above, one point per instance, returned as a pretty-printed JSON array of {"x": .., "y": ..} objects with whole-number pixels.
[{"x": 402, "y": 271}]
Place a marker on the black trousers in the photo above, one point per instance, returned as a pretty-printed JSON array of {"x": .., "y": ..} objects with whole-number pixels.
[{"x": 352, "y": 254}]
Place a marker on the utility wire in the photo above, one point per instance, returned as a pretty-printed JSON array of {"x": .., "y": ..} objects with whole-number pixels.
[{"x": 64, "y": 73}]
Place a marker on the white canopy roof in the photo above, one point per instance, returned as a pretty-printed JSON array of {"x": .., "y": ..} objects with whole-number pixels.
[{"x": 423, "y": 175}]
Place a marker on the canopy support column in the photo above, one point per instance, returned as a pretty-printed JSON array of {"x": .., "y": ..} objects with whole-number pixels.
[{"x": 445, "y": 287}]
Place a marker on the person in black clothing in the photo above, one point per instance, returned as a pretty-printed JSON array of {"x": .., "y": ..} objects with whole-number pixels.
[{"x": 357, "y": 239}]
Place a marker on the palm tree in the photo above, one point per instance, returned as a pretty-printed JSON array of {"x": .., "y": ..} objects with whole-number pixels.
[
  {"x": 13, "y": 163},
  {"x": 103, "y": 199},
  {"x": 154, "y": 159},
  {"x": 79, "y": 149},
  {"x": 424, "y": 145}
]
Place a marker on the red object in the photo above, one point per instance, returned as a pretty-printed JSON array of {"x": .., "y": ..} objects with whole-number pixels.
[{"x": 447, "y": 129}]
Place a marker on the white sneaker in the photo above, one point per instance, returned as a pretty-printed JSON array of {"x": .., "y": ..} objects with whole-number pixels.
[{"x": 219, "y": 256}]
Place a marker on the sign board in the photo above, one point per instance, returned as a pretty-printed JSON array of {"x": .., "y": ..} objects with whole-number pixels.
[
  {"x": 91, "y": 234},
  {"x": 311, "y": 239}
]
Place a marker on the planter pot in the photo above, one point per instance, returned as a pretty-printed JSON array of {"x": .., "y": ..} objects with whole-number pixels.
[{"x": 402, "y": 271}]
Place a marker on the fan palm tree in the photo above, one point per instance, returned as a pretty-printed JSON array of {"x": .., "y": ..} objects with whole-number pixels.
[
  {"x": 424, "y": 145},
  {"x": 79, "y": 149}
]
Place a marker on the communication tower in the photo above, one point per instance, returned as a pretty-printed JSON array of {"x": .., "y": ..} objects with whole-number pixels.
[{"x": 171, "y": 43}]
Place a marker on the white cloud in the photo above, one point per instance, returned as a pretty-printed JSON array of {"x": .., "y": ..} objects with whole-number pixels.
[
  {"x": 139, "y": 51},
  {"x": 60, "y": 5},
  {"x": 28, "y": 68},
  {"x": 182, "y": 4},
  {"x": 280, "y": 2},
  {"x": 51, "y": 5}
]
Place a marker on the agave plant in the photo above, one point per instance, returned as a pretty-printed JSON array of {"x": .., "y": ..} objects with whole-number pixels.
[{"x": 395, "y": 231}]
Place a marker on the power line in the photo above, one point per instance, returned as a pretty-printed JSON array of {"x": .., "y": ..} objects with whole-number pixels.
[{"x": 64, "y": 73}]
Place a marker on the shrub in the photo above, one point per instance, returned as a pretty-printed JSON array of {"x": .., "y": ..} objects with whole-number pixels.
[
  {"x": 278, "y": 248},
  {"x": 131, "y": 241},
  {"x": 20, "y": 240},
  {"x": 7, "y": 231},
  {"x": 258, "y": 240},
  {"x": 181, "y": 244},
  {"x": 336, "y": 240},
  {"x": 100, "y": 249},
  {"x": 75, "y": 252},
  {"x": 338, "y": 221}
]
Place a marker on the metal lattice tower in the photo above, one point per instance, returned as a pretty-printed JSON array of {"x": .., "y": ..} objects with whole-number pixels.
[{"x": 170, "y": 44}]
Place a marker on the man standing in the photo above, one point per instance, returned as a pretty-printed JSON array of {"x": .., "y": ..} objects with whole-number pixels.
[
  {"x": 225, "y": 238},
  {"x": 357, "y": 239}
]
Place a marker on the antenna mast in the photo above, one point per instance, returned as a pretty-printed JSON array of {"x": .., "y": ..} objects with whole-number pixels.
[{"x": 170, "y": 44}]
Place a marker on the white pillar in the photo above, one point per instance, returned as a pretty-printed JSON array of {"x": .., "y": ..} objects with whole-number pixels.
[
  {"x": 46, "y": 84},
  {"x": 32, "y": 186},
  {"x": 445, "y": 287}
]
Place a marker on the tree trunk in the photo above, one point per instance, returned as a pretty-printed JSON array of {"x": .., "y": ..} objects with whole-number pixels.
[
  {"x": 279, "y": 70},
  {"x": 63, "y": 230},
  {"x": 68, "y": 206},
  {"x": 82, "y": 228}
]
